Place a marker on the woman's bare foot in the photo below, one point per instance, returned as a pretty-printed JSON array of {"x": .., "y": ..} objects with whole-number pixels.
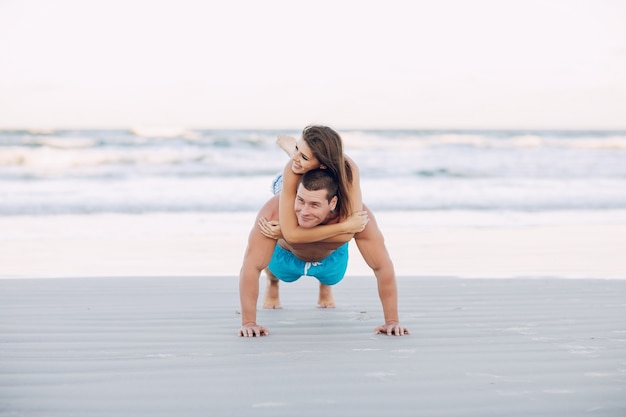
[
  {"x": 271, "y": 298},
  {"x": 326, "y": 298}
]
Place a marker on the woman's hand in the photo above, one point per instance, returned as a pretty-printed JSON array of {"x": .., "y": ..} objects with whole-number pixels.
[
  {"x": 287, "y": 144},
  {"x": 270, "y": 229},
  {"x": 356, "y": 222}
]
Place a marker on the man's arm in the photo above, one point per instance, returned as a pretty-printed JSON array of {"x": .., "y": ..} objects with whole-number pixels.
[
  {"x": 256, "y": 258},
  {"x": 371, "y": 244}
]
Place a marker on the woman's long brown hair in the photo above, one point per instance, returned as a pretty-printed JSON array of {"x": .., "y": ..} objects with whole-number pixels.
[{"x": 327, "y": 146}]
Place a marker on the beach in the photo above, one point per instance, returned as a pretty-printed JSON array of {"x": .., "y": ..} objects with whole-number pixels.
[
  {"x": 133, "y": 315},
  {"x": 120, "y": 256},
  {"x": 453, "y": 244},
  {"x": 139, "y": 140},
  {"x": 166, "y": 346}
]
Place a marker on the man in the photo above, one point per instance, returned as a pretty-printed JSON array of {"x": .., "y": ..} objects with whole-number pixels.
[
  {"x": 316, "y": 203},
  {"x": 327, "y": 261}
]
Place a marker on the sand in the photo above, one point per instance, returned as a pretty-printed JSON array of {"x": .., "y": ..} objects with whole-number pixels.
[
  {"x": 512, "y": 314},
  {"x": 167, "y": 346},
  {"x": 455, "y": 244}
]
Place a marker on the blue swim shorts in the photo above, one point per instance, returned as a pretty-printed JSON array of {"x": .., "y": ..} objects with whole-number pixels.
[{"x": 287, "y": 267}]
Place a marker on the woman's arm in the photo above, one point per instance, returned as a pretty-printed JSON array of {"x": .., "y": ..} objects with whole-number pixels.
[
  {"x": 287, "y": 143},
  {"x": 291, "y": 230},
  {"x": 271, "y": 229}
]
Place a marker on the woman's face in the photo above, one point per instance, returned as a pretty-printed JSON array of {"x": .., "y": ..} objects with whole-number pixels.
[{"x": 303, "y": 160}]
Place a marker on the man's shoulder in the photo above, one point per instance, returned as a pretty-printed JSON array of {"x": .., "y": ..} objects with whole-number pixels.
[{"x": 270, "y": 209}]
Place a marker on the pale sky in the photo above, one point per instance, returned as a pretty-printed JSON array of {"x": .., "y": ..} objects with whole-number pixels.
[{"x": 285, "y": 64}]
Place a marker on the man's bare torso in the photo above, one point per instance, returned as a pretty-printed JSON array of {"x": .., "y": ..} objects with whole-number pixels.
[{"x": 310, "y": 252}]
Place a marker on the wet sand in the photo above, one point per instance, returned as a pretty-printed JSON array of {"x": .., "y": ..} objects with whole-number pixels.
[{"x": 167, "y": 346}]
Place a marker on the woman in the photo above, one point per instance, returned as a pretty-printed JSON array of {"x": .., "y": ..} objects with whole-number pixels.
[
  {"x": 325, "y": 142},
  {"x": 321, "y": 147}
]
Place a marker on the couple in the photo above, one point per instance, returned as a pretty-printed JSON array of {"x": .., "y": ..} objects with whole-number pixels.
[{"x": 312, "y": 222}]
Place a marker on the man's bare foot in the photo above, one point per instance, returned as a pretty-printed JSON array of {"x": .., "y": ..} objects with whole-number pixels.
[
  {"x": 271, "y": 298},
  {"x": 326, "y": 298}
]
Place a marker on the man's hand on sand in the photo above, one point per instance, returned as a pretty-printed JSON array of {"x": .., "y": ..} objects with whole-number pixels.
[
  {"x": 392, "y": 329},
  {"x": 253, "y": 330}
]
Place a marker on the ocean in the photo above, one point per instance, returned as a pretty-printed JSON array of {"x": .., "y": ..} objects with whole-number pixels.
[{"x": 151, "y": 171}]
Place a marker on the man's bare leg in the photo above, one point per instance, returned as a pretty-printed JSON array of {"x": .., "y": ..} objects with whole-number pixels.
[
  {"x": 326, "y": 298},
  {"x": 271, "y": 298}
]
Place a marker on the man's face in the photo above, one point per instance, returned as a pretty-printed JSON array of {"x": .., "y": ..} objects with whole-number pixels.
[{"x": 312, "y": 207}]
